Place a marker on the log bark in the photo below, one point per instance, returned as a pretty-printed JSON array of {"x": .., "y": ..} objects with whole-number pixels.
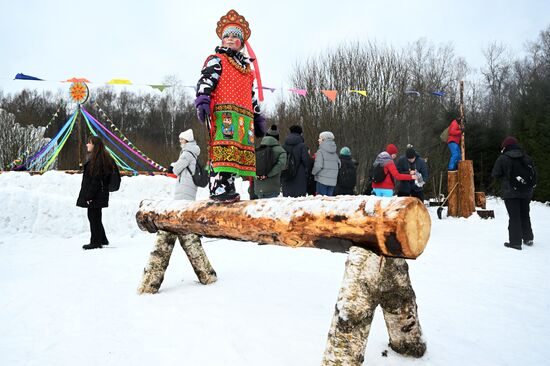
[
  {"x": 397, "y": 227},
  {"x": 452, "y": 202},
  {"x": 371, "y": 280},
  {"x": 466, "y": 188},
  {"x": 153, "y": 274},
  {"x": 486, "y": 214},
  {"x": 480, "y": 200}
]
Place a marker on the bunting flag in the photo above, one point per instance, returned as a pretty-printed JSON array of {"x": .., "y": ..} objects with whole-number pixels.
[
  {"x": 77, "y": 80},
  {"x": 439, "y": 93},
  {"x": 301, "y": 92},
  {"x": 362, "y": 92},
  {"x": 414, "y": 92},
  {"x": 268, "y": 88},
  {"x": 330, "y": 94},
  {"x": 160, "y": 87},
  {"x": 21, "y": 76},
  {"x": 119, "y": 82}
]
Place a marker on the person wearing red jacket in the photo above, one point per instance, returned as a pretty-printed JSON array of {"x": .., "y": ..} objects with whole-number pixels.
[
  {"x": 385, "y": 158},
  {"x": 453, "y": 141}
]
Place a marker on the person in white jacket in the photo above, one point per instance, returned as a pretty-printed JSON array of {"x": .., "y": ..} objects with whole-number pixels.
[
  {"x": 327, "y": 163},
  {"x": 185, "y": 189}
]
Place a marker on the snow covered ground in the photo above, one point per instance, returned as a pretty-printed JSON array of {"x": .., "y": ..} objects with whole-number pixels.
[{"x": 479, "y": 303}]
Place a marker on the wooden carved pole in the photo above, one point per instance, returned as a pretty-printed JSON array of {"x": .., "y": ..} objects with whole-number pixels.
[
  {"x": 397, "y": 227},
  {"x": 153, "y": 274},
  {"x": 462, "y": 144},
  {"x": 371, "y": 280}
]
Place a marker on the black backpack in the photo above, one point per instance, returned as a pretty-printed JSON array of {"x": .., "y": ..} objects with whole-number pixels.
[
  {"x": 522, "y": 174},
  {"x": 265, "y": 160},
  {"x": 347, "y": 175},
  {"x": 114, "y": 180},
  {"x": 377, "y": 174},
  {"x": 291, "y": 168},
  {"x": 200, "y": 176}
]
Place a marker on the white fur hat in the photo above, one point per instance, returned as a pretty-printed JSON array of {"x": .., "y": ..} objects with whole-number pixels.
[
  {"x": 187, "y": 135},
  {"x": 326, "y": 135}
]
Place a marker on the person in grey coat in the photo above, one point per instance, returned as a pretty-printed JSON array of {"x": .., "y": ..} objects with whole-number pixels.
[
  {"x": 327, "y": 163},
  {"x": 269, "y": 186},
  {"x": 185, "y": 189}
]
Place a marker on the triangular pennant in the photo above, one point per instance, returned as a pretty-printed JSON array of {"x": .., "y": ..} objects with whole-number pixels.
[
  {"x": 412, "y": 92},
  {"x": 160, "y": 87},
  {"x": 330, "y": 94},
  {"x": 362, "y": 92},
  {"x": 301, "y": 92},
  {"x": 439, "y": 93},
  {"x": 21, "y": 76},
  {"x": 77, "y": 80},
  {"x": 119, "y": 82}
]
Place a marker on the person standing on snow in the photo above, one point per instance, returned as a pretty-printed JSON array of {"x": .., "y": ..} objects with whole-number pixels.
[
  {"x": 327, "y": 163},
  {"x": 226, "y": 99},
  {"x": 516, "y": 199},
  {"x": 185, "y": 187},
  {"x": 295, "y": 184},
  {"x": 411, "y": 161},
  {"x": 94, "y": 192},
  {"x": 347, "y": 175},
  {"x": 385, "y": 160}
]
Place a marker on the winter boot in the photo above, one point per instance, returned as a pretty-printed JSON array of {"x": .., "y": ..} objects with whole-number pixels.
[
  {"x": 529, "y": 243},
  {"x": 91, "y": 246},
  {"x": 513, "y": 246}
]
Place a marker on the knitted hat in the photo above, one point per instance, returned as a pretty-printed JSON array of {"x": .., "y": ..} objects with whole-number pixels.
[
  {"x": 345, "y": 151},
  {"x": 187, "y": 135},
  {"x": 273, "y": 132},
  {"x": 411, "y": 153},
  {"x": 326, "y": 135},
  {"x": 235, "y": 24},
  {"x": 296, "y": 129},
  {"x": 508, "y": 141},
  {"x": 391, "y": 149}
]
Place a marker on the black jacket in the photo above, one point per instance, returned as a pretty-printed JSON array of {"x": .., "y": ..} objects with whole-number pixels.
[
  {"x": 404, "y": 166},
  {"x": 93, "y": 189},
  {"x": 347, "y": 163},
  {"x": 503, "y": 166},
  {"x": 294, "y": 144}
]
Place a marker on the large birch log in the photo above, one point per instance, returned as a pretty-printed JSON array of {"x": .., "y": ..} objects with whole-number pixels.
[
  {"x": 396, "y": 227},
  {"x": 371, "y": 280}
]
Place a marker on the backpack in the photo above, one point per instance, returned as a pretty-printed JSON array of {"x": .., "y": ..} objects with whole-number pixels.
[
  {"x": 114, "y": 180},
  {"x": 347, "y": 175},
  {"x": 444, "y": 135},
  {"x": 291, "y": 167},
  {"x": 377, "y": 174},
  {"x": 265, "y": 160},
  {"x": 200, "y": 176},
  {"x": 522, "y": 174}
]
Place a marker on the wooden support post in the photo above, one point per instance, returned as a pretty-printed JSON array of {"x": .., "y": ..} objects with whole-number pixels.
[
  {"x": 480, "y": 200},
  {"x": 462, "y": 143},
  {"x": 153, "y": 274},
  {"x": 452, "y": 180},
  {"x": 466, "y": 188},
  {"x": 371, "y": 280}
]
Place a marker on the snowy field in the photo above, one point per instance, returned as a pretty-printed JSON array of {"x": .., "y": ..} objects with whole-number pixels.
[{"x": 479, "y": 303}]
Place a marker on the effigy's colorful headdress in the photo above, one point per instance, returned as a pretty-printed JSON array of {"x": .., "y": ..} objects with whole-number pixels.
[{"x": 233, "y": 23}]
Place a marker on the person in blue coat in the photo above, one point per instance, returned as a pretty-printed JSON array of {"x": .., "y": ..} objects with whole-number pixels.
[{"x": 412, "y": 161}]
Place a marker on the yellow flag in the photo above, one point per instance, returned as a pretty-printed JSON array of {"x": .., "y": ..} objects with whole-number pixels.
[
  {"x": 119, "y": 82},
  {"x": 362, "y": 92}
]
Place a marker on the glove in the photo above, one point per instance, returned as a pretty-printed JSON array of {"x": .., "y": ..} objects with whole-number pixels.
[
  {"x": 170, "y": 169},
  {"x": 202, "y": 103},
  {"x": 259, "y": 125}
]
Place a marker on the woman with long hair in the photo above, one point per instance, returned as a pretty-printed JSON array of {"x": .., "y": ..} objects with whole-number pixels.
[{"x": 94, "y": 192}]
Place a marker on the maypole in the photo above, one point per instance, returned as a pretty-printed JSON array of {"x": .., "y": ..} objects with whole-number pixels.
[{"x": 79, "y": 93}]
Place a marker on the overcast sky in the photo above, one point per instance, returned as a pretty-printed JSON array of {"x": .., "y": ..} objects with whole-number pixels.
[{"x": 146, "y": 40}]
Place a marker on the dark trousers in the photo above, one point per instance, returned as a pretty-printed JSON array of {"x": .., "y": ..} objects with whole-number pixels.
[
  {"x": 417, "y": 194},
  {"x": 519, "y": 221},
  {"x": 96, "y": 226}
]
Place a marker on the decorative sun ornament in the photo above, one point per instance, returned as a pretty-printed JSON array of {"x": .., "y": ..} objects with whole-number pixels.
[{"x": 79, "y": 92}]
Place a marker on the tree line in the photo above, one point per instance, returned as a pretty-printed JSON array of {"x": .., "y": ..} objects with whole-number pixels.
[{"x": 509, "y": 96}]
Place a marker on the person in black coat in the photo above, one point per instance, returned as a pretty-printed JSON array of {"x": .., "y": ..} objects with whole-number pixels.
[
  {"x": 294, "y": 144},
  {"x": 411, "y": 161},
  {"x": 347, "y": 174},
  {"x": 516, "y": 201},
  {"x": 94, "y": 192}
]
